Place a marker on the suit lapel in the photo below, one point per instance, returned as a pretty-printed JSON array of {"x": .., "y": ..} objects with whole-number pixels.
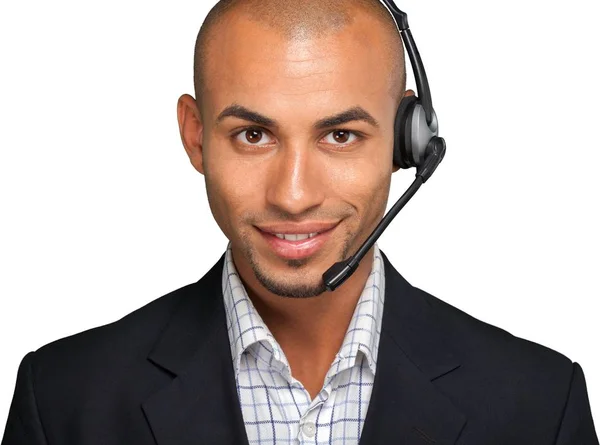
[
  {"x": 200, "y": 405},
  {"x": 405, "y": 406}
]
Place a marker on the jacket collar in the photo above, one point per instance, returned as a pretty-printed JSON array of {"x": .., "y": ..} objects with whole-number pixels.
[{"x": 200, "y": 404}]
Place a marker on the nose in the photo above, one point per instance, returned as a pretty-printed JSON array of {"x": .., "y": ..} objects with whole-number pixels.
[{"x": 295, "y": 185}]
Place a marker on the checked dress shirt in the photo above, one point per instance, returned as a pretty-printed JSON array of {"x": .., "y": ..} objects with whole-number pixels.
[{"x": 276, "y": 407}]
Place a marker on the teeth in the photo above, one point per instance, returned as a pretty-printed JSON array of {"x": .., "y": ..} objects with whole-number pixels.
[{"x": 295, "y": 237}]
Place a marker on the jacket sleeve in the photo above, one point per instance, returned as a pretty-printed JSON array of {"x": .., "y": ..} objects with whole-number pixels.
[
  {"x": 23, "y": 426},
  {"x": 577, "y": 425}
]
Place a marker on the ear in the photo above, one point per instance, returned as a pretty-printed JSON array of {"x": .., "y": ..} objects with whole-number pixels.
[
  {"x": 395, "y": 167},
  {"x": 190, "y": 129}
]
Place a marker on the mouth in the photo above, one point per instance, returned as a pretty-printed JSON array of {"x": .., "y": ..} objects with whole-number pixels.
[{"x": 293, "y": 243}]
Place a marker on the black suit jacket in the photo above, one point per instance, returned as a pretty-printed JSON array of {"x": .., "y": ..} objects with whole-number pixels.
[{"x": 164, "y": 375}]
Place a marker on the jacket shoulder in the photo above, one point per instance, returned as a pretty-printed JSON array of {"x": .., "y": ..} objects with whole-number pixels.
[
  {"x": 493, "y": 347},
  {"x": 104, "y": 353},
  {"x": 93, "y": 354}
]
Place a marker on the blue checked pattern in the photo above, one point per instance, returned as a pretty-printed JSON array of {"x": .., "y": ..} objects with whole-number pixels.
[{"x": 276, "y": 407}]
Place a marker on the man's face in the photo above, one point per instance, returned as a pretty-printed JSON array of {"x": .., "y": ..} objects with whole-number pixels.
[{"x": 288, "y": 176}]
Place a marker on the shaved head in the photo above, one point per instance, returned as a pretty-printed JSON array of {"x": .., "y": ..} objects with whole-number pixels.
[{"x": 297, "y": 21}]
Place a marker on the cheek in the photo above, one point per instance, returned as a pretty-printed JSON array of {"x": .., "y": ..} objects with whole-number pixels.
[
  {"x": 232, "y": 191},
  {"x": 217, "y": 203},
  {"x": 363, "y": 182}
]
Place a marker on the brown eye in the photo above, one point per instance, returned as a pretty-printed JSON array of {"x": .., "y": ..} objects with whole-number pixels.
[
  {"x": 253, "y": 136},
  {"x": 340, "y": 137}
]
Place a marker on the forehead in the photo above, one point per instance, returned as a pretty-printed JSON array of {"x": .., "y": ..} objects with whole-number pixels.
[{"x": 247, "y": 60}]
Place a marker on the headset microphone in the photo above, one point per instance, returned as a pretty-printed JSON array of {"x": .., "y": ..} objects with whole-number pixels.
[{"x": 416, "y": 144}]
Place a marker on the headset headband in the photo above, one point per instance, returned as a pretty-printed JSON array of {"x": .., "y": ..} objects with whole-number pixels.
[{"x": 415, "y": 58}]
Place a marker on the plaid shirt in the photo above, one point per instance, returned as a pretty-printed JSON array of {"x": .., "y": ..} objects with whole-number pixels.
[{"x": 276, "y": 407}]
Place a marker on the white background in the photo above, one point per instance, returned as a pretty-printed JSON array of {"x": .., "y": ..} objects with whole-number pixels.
[{"x": 101, "y": 211}]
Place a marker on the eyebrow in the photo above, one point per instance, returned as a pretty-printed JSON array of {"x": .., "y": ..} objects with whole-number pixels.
[{"x": 351, "y": 114}]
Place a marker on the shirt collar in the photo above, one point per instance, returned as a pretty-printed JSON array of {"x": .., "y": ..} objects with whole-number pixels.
[{"x": 246, "y": 327}]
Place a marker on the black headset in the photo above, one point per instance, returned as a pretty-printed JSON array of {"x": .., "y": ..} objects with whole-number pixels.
[{"x": 416, "y": 144}]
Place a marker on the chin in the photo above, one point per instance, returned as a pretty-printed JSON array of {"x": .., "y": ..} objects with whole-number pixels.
[
  {"x": 301, "y": 279},
  {"x": 293, "y": 288}
]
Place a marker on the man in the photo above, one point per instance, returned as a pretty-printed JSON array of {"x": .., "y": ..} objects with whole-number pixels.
[{"x": 292, "y": 127}]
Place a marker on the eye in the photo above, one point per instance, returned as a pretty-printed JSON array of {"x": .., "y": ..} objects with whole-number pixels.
[
  {"x": 341, "y": 137},
  {"x": 252, "y": 136},
  {"x": 258, "y": 137}
]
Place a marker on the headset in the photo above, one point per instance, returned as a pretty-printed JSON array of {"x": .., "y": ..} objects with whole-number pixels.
[{"x": 416, "y": 144}]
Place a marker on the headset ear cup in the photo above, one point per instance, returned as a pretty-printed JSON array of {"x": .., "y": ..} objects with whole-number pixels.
[{"x": 402, "y": 132}]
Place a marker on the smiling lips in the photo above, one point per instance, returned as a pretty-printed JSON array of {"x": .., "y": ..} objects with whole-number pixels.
[{"x": 296, "y": 241}]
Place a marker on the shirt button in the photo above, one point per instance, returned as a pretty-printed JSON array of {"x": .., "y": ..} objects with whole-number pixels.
[{"x": 309, "y": 429}]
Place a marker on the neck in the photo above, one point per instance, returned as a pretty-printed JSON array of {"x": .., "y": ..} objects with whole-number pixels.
[{"x": 309, "y": 327}]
